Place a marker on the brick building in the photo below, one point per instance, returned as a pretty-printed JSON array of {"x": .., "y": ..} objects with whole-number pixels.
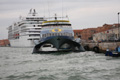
[
  {"x": 104, "y": 28},
  {"x": 4, "y": 42},
  {"x": 111, "y": 33},
  {"x": 87, "y": 34},
  {"x": 77, "y": 33}
]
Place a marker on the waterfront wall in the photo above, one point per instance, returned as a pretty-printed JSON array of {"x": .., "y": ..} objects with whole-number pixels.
[{"x": 101, "y": 47}]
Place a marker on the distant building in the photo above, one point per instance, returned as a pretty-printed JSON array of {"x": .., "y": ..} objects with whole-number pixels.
[
  {"x": 4, "y": 42},
  {"x": 86, "y": 34},
  {"x": 108, "y": 34},
  {"x": 99, "y": 33},
  {"x": 77, "y": 33}
]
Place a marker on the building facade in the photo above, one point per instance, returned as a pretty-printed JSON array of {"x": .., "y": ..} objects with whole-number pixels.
[
  {"x": 85, "y": 34},
  {"x": 108, "y": 35},
  {"x": 4, "y": 42},
  {"x": 103, "y": 33}
]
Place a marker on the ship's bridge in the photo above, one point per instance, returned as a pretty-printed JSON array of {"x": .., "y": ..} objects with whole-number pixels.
[
  {"x": 56, "y": 28},
  {"x": 56, "y": 22}
]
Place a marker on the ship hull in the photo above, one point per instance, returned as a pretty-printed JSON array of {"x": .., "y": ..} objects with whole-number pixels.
[
  {"x": 61, "y": 43},
  {"x": 22, "y": 42}
]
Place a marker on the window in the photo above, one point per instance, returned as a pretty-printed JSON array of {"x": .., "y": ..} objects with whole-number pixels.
[
  {"x": 39, "y": 25},
  {"x": 43, "y": 35}
]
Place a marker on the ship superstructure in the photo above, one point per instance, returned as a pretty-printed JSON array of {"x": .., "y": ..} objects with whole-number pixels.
[{"x": 26, "y": 32}]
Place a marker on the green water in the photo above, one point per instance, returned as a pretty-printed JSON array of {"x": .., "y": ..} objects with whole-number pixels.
[{"x": 20, "y": 64}]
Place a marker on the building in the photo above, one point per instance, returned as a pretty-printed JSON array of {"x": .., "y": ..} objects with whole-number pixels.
[
  {"x": 4, "y": 42},
  {"x": 90, "y": 33},
  {"x": 77, "y": 33},
  {"x": 86, "y": 34},
  {"x": 108, "y": 34}
]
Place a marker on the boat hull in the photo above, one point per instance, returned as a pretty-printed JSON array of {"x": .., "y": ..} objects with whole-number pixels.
[
  {"x": 22, "y": 42},
  {"x": 61, "y": 43}
]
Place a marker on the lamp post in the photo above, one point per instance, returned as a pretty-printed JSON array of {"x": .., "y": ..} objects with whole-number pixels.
[{"x": 118, "y": 26}]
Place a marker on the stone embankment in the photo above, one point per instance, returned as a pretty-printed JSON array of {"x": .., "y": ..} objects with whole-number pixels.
[{"x": 101, "y": 47}]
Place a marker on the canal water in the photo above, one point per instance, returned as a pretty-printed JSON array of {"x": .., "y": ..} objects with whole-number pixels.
[{"x": 20, "y": 64}]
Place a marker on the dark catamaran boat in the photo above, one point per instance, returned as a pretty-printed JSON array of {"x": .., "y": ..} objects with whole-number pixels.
[{"x": 59, "y": 35}]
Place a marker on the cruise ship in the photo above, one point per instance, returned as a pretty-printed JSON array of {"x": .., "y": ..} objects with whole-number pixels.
[
  {"x": 26, "y": 32},
  {"x": 58, "y": 35}
]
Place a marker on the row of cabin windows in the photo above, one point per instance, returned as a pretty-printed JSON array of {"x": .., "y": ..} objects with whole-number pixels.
[
  {"x": 34, "y": 39},
  {"x": 34, "y": 18},
  {"x": 13, "y": 37},
  {"x": 34, "y": 31},
  {"x": 36, "y": 25},
  {"x": 57, "y": 34},
  {"x": 32, "y": 35}
]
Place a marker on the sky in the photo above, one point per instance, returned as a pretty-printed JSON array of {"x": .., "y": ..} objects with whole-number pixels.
[{"x": 82, "y": 13}]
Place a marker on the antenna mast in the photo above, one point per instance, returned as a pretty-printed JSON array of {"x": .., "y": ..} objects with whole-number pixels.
[
  {"x": 48, "y": 8},
  {"x": 62, "y": 9},
  {"x": 30, "y": 11},
  {"x": 55, "y": 16}
]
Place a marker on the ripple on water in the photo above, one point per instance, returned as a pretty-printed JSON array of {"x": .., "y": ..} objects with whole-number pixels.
[
  {"x": 77, "y": 77},
  {"x": 50, "y": 77},
  {"x": 20, "y": 64}
]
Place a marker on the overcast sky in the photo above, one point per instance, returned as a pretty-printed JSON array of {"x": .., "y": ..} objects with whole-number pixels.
[{"x": 82, "y": 13}]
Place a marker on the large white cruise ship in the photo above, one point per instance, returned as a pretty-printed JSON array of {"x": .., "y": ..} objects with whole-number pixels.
[{"x": 26, "y": 31}]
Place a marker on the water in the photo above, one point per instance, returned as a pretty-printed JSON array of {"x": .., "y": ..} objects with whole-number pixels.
[{"x": 20, "y": 64}]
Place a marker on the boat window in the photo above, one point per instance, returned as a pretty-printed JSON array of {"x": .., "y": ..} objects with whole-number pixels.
[
  {"x": 29, "y": 39},
  {"x": 57, "y": 34},
  {"x": 39, "y": 25},
  {"x": 43, "y": 35},
  {"x": 54, "y": 34},
  {"x": 70, "y": 34},
  {"x": 47, "y": 34},
  {"x": 60, "y": 34},
  {"x": 50, "y": 34},
  {"x": 67, "y": 34},
  {"x": 68, "y": 25},
  {"x": 63, "y": 34}
]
